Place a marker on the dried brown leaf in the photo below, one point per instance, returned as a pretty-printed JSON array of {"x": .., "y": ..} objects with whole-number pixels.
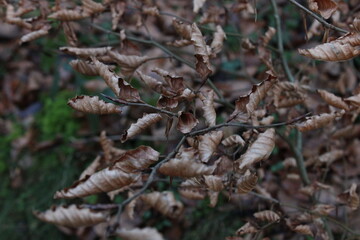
[
  {"x": 268, "y": 36},
  {"x": 208, "y": 144},
  {"x": 333, "y": 100},
  {"x": 90, "y": 7},
  {"x": 214, "y": 183},
  {"x": 246, "y": 183},
  {"x": 287, "y": 94},
  {"x": 192, "y": 193},
  {"x": 70, "y": 34},
  {"x": 186, "y": 122},
  {"x": 203, "y": 66},
  {"x": 303, "y": 229},
  {"x": 164, "y": 202},
  {"x": 106, "y": 180},
  {"x": 71, "y": 216},
  {"x": 330, "y": 157},
  {"x": 185, "y": 165},
  {"x": 332, "y": 51},
  {"x": 84, "y": 67},
  {"x": 318, "y": 121},
  {"x": 208, "y": 107},
  {"x": 353, "y": 100},
  {"x": 141, "y": 124},
  {"x": 183, "y": 29},
  {"x": 139, "y": 234},
  {"x": 233, "y": 140},
  {"x": 34, "y": 35},
  {"x": 111, "y": 79},
  {"x": 324, "y": 7},
  {"x": 218, "y": 41},
  {"x": 106, "y": 145},
  {"x": 85, "y": 52},
  {"x": 127, "y": 92},
  {"x": 137, "y": 159},
  {"x": 259, "y": 150},
  {"x": 322, "y": 209},
  {"x": 128, "y": 63},
  {"x": 92, "y": 104},
  {"x": 267, "y": 215},
  {"x": 153, "y": 83},
  {"x": 93, "y": 167},
  {"x": 246, "y": 228},
  {"x": 350, "y": 197},
  {"x": 69, "y": 15}
]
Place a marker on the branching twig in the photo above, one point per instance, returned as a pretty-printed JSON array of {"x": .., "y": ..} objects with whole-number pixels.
[
  {"x": 148, "y": 182},
  {"x": 320, "y": 19}
]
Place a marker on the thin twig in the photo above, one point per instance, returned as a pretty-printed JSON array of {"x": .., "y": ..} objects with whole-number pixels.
[
  {"x": 320, "y": 19},
  {"x": 280, "y": 43},
  {"x": 140, "y": 105}
]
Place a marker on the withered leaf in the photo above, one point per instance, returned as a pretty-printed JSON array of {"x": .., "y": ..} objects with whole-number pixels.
[
  {"x": 71, "y": 216},
  {"x": 85, "y": 52},
  {"x": 214, "y": 183},
  {"x": 34, "y": 35},
  {"x": 324, "y": 7},
  {"x": 106, "y": 180},
  {"x": 139, "y": 234},
  {"x": 350, "y": 197},
  {"x": 208, "y": 107},
  {"x": 246, "y": 183},
  {"x": 128, "y": 63},
  {"x": 127, "y": 92},
  {"x": 137, "y": 159},
  {"x": 69, "y": 15},
  {"x": 318, "y": 121},
  {"x": 92, "y": 104},
  {"x": 233, "y": 140},
  {"x": 332, "y": 51},
  {"x": 208, "y": 144},
  {"x": 142, "y": 123},
  {"x": 333, "y": 100},
  {"x": 259, "y": 150},
  {"x": 185, "y": 165},
  {"x": 164, "y": 202},
  {"x": 186, "y": 122},
  {"x": 218, "y": 41},
  {"x": 267, "y": 215},
  {"x": 203, "y": 66},
  {"x": 246, "y": 228}
]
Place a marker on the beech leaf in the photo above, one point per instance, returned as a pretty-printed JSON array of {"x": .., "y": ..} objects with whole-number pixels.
[
  {"x": 142, "y": 123},
  {"x": 92, "y": 104}
]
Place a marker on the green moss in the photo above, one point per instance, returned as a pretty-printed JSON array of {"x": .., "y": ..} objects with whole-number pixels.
[{"x": 56, "y": 118}]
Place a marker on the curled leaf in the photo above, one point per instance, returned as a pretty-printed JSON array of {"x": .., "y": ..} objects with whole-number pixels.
[
  {"x": 137, "y": 159},
  {"x": 93, "y": 167},
  {"x": 318, "y": 121},
  {"x": 84, "y": 67},
  {"x": 208, "y": 144},
  {"x": 203, "y": 66},
  {"x": 233, "y": 140},
  {"x": 287, "y": 94},
  {"x": 353, "y": 100},
  {"x": 246, "y": 228},
  {"x": 34, "y": 35},
  {"x": 142, "y": 123},
  {"x": 259, "y": 150},
  {"x": 333, "y": 100},
  {"x": 90, "y": 7},
  {"x": 164, "y": 202},
  {"x": 128, "y": 63},
  {"x": 330, "y": 157},
  {"x": 185, "y": 165},
  {"x": 71, "y": 216},
  {"x": 106, "y": 180},
  {"x": 303, "y": 229},
  {"x": 324, "y": 7},
  {"x": 268, "y": 216},
  {"x": 183, "y": 29},
  {"x": 323, "y": 209},
  {"x": 246, "y": 183},
  {"x": 332, "y": 51},
  {"x": 218, "y": 41},
  {"x": 153, "y": 83},
  {"x": 209, "y": 110},
  {"x": 85, "y": 52},
  {"x": 186, "y": 122},
  {"x": 111, "y": 79},
  {"x": 139, "y": 234},
  {"x": 214, "y": 183},
  {"x": 69, "y": 15},
  {"x": 350, "y": 197},
  {"x": 92, "y": 104},
  {"x": 127, "y": 92}
]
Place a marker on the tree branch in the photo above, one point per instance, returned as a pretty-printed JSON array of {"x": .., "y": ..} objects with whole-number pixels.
[{"x": 320, "y": 19}]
